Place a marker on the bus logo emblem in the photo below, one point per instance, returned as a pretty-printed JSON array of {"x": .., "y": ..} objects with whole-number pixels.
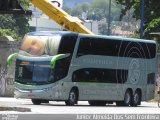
[{"x": 134, "y": 71}]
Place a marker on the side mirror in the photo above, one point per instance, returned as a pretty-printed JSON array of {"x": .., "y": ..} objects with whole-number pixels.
[{"x": 11, "y": 58}]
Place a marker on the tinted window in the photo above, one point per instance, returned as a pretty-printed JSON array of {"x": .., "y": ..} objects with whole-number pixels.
[
  {"x": 137, "y": 50},
  {"x": 67, "y": 44},
  {"x": 151, "y": 78},
  {"x": 95, "y": 46},
  {"x": 108, "y": 47},
  {"x": 33, "y": 72},
  {"x": 61, "y": 68},
  {"x": 100, "y": 75}
]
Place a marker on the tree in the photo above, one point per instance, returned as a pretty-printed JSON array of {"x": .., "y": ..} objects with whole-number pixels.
[
  {"x": 97, "y": 10},
  {"x": 24, "y": 4},
  {"x": 8, "y": 32},
  {"x": 151, "y": 16},
  {"x": 67, "y": 9},
  {"x": 100, "y": 8},
  {"x": 79, "y": 9},
  {"x": 22, "y": 24},
  {"x": 8, "y": 26},
  {"x": 102, "y": 29},
  {"x": 153, "y": 26},
  {"x": 15, "y": 25}
]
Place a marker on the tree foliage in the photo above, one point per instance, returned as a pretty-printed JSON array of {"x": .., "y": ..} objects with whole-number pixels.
[
  {"x": 96, "y": 10},
  {"x": 24, "y": 4},
  {"x": 8, "y": 32},
  {"x": 102, "y": 29},
  {"x": 15, "y": 25},
  {"x": 100, "y": 8},
  {"x": 22, "y": 24},
  {"x": 8, "y": 26},
  {"x": 151, "y": 13}
]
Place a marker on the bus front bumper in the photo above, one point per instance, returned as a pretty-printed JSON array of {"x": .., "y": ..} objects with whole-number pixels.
[{"x": 30, "y": 93}]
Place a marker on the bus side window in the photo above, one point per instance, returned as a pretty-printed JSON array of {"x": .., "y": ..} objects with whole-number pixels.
[
  {"x": 67, "y": 44},
  {"x": 61, "y": 68},
  {"x": 85, "y": 46}
]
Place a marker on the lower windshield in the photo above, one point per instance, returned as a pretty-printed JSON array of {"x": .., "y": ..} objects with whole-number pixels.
[{"x": 33, "y": 73}]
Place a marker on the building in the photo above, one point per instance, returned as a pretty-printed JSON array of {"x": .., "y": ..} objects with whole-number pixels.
[{"x": 41, "y": 22}]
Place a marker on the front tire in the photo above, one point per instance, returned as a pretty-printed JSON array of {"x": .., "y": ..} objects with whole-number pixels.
[{"x": 73, "y": 98}]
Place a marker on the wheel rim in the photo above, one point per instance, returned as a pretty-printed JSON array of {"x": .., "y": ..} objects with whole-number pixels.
[
  {"x": 72, "y": 97},
  {"x": 136, "y": 98},
  {"x": 127, "y": 98}
]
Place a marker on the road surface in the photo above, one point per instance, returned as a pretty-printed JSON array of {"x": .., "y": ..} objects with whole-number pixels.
[{"x": 82, "y": 108}]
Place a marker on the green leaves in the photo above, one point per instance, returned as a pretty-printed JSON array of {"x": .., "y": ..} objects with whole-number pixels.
[
  {"x": 151, "y": 13},
  {"x": 8, "y": 26},
  {"x": 24, "y": 4},
  {"x": 15, "y": 25},
  {"x": 96, "y": 10},
  {"x": 9, "y": 32},
  {"x": 153, "y": 26}
]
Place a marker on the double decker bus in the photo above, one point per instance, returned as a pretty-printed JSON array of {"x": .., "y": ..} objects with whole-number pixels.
[{"x": 83, "y": 67}]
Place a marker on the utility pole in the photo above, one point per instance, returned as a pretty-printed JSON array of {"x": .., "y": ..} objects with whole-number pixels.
[
  {"x": 109, "y": 19},
  {"x": 142, "y": 19}
]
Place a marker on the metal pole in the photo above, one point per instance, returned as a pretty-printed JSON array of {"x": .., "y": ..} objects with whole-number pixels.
[
  {"x": 142, "y": 18},
  {"x": 91, "y": 26},
  {"x": 109, "y": 18},
  {"x": 36, "y": 23}
]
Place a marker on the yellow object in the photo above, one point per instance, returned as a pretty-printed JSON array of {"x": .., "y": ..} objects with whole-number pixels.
[{"x": 61, "y": 17}]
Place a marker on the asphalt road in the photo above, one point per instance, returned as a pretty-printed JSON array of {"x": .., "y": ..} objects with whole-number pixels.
[
  {"x": 82, "y": 111},
  {"x": 82, "y": 108}
]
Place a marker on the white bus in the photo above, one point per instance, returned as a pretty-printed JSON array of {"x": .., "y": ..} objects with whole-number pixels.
[{"x": 94, "y": 68}]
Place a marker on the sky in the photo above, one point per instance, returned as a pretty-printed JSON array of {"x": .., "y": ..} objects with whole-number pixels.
[{"x": 72, "y": 3}]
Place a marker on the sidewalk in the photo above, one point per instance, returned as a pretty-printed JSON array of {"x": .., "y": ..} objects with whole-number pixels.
[{"x": 6, "y": 104}]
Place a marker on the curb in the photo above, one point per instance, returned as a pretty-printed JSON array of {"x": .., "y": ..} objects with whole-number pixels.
[{"x": 18, "y": 109}]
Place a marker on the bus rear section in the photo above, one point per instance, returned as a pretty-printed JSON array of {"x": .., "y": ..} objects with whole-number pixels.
[{"x": 108, "y": 69}]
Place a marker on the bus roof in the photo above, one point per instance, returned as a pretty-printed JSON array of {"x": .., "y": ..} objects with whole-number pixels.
[
  {"x": 50, "y": 33},
  {"x": 120, "y": 38}
]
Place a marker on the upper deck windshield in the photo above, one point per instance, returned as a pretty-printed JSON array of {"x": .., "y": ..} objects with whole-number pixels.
[{"x": 37, "y": 45}]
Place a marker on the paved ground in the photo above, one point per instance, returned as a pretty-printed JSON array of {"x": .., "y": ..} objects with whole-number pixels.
[{"x": 25, "y": 105}]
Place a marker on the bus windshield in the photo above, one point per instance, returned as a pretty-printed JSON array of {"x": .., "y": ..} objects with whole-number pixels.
[
  {"x": 40, "y": 45},
  {"x": 34, "y": 72}
]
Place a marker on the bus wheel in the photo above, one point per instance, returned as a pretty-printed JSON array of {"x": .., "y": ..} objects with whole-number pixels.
[
  {"x": 126, "y": 101},
  {"x": 127, "y": 98},
  {"x": 36, "y": 101},
  {"x": 73, "y": 97},
  {"x": 136, "y": 100}
]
